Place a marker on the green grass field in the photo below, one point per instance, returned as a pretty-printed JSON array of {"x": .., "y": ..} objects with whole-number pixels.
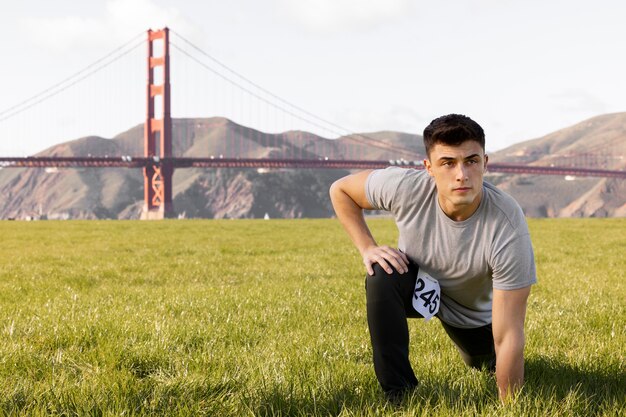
[{"x": 244, "y": 318}]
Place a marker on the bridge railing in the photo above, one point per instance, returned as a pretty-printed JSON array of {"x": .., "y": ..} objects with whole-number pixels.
[{"x": 320, "y": 163}]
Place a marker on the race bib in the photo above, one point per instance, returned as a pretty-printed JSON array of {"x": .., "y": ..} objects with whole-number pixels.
[{"x": 426, "y": 296}]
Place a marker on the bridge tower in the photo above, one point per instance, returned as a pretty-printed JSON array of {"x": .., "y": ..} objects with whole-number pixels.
[{"x": 158, "y": 131}]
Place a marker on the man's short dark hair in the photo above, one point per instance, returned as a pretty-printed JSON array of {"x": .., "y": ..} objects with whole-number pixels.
[{"x": 452, "y": 129}]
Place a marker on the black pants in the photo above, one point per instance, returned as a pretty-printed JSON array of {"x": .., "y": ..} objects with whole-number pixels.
[{"x": 389, "y": 303}]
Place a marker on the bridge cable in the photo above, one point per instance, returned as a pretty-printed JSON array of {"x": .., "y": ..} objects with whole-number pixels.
[
  {"x": 348, "y": 132},
  {"x": 56, "y": 88},
  {"x": 225, "y": 78}
]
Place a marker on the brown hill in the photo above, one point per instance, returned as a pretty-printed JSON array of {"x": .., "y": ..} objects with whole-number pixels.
[
  {"x": 600, "y": 141},
  {"x": 118, "y": 193},
  {"x": 89, "y": 193},
  {"x": 603, "y": 136}
]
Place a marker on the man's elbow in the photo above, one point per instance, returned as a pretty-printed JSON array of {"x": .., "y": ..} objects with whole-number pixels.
[
  {"x": 333, "y": 187},
  {"x": 513, "y": 343},
  {"x": 335, "y": 190}
]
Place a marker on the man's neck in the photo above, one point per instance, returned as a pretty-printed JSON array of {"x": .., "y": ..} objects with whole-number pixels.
[{"x": 460, "y": 213}]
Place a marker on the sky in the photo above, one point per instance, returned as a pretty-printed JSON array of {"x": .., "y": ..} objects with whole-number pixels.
[{"x": 522, "y": 69}]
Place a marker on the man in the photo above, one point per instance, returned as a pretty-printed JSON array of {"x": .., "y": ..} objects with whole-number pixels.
[{"x": 464, "y": 255}]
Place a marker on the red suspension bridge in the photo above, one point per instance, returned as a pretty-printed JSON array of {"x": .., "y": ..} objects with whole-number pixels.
[{"x": 295, "y": 149}]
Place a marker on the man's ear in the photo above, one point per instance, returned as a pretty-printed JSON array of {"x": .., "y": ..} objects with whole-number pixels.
[
  {"x": 486, "y": 160},
  {"x": 428, "y": 167}
]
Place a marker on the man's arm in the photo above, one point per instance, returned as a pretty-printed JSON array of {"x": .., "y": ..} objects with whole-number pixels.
[
  {"x": 348, "y": 197},
  {"x": 509, "y": 313}
]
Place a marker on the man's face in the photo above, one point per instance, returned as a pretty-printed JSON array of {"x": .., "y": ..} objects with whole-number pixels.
[{"x": 458, "y": 172}]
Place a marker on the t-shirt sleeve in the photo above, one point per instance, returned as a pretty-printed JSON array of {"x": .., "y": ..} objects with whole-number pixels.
[
  {"x": 514, "y": 265},
  {"x": 381, "y": 187}
]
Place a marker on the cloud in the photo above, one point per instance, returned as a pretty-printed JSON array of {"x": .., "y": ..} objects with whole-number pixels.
[
  {"x": 326, "y": 16},
  {"x": 398, "y": 117},
  {"x": 121, "y": 20},
  {"x": 578, "y": 102},
  {"x": 63, "y": 33}
]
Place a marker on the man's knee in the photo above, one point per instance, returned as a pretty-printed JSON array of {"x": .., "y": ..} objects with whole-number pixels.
[
  {"x": 480, "y": 362},
  {"x": 475, "y": 345},
  {"x": 380, "y": 279},
  {"x": 379, "y": 272},
  {"x": 381, "y": 285}
]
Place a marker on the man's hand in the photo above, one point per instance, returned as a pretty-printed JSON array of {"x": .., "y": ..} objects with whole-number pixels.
[
  {"x": 386, "y": 257},
  {"x": 509, "y": 313}
]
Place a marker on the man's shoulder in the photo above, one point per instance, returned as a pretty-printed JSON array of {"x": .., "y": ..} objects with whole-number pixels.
[
  {"x": 394, "y": 187},
  {"x": 399, "y": 171},
  {"x": 503, "y": 205},
  {"x": 397, "y": 176}
]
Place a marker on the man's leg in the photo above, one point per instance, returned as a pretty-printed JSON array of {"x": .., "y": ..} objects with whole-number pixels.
[
  {"x": 388, "y": 297},
  {"x": 475, "y": 345}
]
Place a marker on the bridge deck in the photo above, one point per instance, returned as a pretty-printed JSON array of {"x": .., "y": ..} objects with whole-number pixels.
[{"x": 140, "y": 162}]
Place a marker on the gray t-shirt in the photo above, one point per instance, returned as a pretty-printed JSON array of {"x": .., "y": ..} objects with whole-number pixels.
[{"x": 491, "y": 249}]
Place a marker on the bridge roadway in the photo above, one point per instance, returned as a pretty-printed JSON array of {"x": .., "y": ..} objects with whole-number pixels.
[{"x": 179, "y": 162}]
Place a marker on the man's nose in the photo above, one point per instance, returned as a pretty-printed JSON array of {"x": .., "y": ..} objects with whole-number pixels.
[{"x": 461, "y": 173}]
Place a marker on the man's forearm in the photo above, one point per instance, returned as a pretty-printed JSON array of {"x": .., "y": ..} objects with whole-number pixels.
[
  {"x": 509, "y": 313},
  {"x": 510, "y": 367}
]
